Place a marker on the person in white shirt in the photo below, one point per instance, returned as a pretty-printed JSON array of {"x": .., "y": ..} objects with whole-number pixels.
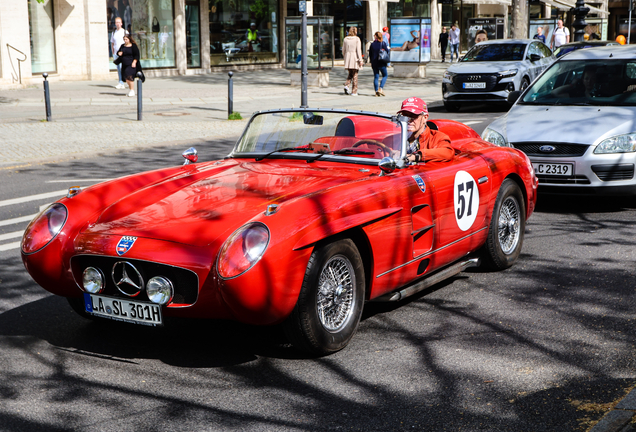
[
  {"x": 453, "y": 38},
  {"x": 560, "y": 36},
  {"x": 117, "y": 40}
]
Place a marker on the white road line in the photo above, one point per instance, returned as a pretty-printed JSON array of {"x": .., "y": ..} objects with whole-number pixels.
[
  {"x": 9, "y": 246},
  {"x": 78, "y": 180},
  {"x": 58, "y": 194},
  {"x": 472, "y": 122},
  {"x": 28, "y": 218},
  {"x": 11, "y": 235}
]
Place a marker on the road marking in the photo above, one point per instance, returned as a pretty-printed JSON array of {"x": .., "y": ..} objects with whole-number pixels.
[
  {"x": 59, "y": 194},
  {"x": 9, "y": 246},
  {"x": 78, "y": 180},
  {"x": 11, "y": 235},
  {"x": 472, "y": 122},
  {"x": 28, "y": 218}
]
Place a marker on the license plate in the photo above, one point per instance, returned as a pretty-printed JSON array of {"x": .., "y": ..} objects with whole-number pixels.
[
  {"x": 123, "y": 310},
  {"x": 475, "y": 85},
  {"x": 553, "y": 169}
]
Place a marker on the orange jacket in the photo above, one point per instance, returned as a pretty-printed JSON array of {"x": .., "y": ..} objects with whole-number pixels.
[{"x": 435, "y": 146}]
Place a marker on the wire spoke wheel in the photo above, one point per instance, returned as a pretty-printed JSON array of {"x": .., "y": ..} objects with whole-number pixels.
[
  {"x": 508, "y": 227},
  {"x": 336, "y": 293}
]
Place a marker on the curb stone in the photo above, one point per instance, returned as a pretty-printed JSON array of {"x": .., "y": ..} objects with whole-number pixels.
[{"x": 618, "y": 419}]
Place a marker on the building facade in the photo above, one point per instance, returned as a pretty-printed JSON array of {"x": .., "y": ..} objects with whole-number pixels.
[{"x": 69, "y": 39}]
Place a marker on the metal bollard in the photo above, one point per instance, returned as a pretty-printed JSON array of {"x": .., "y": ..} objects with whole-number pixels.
[
  {"x": 47, "y": 97},
  {"x": 139, "y": 97},
  {"x": 230, "y": 97}
]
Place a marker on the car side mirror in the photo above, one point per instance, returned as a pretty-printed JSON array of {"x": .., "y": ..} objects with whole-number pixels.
[
  {"x": 190, "y": 156},
  {"x": 387, "y": 165},
  {"x": 513, "y": 96},
  {"x": 312, "y": 119},
  {"x": 535, "y": 57}
]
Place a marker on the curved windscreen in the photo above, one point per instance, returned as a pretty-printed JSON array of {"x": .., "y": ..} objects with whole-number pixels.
[
  {"x": 585, "y": 82},
  {"x": 495, "y": 52},
  {"x": 329, "y": 133}
]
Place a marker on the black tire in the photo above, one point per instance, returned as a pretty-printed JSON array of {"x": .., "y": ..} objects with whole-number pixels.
[
  {"x": 77, "y": 304},
  {"x": 525, "y": 82},
  {"x": 326, "y": 315},
  {"x": 507, "y": 227},
  {"x": 451, "y": 107}
]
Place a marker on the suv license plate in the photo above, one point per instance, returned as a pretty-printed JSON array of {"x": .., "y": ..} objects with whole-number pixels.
[
  {"x": 553, "y": 169},
  {"x": 475, "y": 85},
  {"x": 123, "y": 310}
]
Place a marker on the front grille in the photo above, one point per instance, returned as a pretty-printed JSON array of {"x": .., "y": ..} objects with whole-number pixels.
[
  {"x": 556, "y": 180},
  {"x": 614, "y": 172},
  {"x": 489, "y": 79},
  {"x": 475, "y": 97},
  {"x": 561, "y": 149},
  {"x": 185, "y": 282}
]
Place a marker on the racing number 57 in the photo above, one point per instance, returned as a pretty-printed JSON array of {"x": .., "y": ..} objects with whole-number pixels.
[{"x": 464, "y": 190}]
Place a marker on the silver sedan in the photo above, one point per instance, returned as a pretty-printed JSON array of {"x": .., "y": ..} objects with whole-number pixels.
[
  {"x": 577, "y": 123},
  {"x": 493, "y": 69}
]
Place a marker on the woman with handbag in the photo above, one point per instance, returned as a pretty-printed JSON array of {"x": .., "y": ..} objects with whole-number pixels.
[
  {"x": 352, "y": 53},
  {"x": 129, "y": 54},
  {"x": 379, "y": 56}
]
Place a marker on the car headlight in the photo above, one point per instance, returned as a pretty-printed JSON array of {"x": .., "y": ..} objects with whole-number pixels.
[
  {"x": 160, "y": 290},
  {"x": 449, "y": 75},
  {"x": 508, "y": 73},
  {"x": 93, "y": 280},
  {"x": 618, "y": 144},
  {"x": 44, "y": 228},
  {"x": 494, "y": 138},
  {"x": 242, "y": 250}
]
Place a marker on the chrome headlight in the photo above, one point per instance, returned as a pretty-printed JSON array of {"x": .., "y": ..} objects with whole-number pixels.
[
  {"x": 242, "y": 250},
  {"x": 494, "y": 138},
  {"x": 44, "y": 228},
  {"x": 159, "y": 290},
  {"x": 93, "y": 280},
  {"x": 449, "y": 75},
  {"x": 618, "y": 144},
  {"x": 508, "y": 73}
]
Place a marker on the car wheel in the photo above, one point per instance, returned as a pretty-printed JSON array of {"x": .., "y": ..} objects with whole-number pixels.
[
  {"x": 331, "y": 299},
  {"x": 77, "y": 304},
  {"x": 451, "y": 107},
  {"x": 525, "y": 82},
  {"x": 507, "y": 227}
]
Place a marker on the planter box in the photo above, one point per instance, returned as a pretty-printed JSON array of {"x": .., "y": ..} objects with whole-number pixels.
[{"x": 409, "y": 70}]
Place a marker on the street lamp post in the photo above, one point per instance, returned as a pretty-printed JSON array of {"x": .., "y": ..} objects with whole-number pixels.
[
  {"x": 302, "y": 7},
  {"x": 580, "y": 11}
]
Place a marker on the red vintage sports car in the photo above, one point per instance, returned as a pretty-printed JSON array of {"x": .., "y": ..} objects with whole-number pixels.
[{"x": 313, "y": 213}]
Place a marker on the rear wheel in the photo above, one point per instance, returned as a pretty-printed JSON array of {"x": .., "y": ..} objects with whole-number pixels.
[
  {"x": 451, "y": 107},
  {"x": 507, "y": 227},
  {"x": 525, "y": 82},
  {"x": 331, "y": 299}
]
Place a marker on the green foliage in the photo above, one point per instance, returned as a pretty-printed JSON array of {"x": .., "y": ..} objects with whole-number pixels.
[
  {"x": 260, "y": 8},
  {"x": 235, "y": 116},
  {"x": 297, "y": 116}
]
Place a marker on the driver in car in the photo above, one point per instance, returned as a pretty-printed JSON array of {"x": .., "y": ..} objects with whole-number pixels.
[{"x": 424, "y": 144}]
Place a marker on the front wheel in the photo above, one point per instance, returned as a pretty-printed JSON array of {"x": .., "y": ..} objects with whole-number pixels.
[
  {"x": 329, "y": 306},
  {"x": 524, "y": 84},
  {"x": 508, "y": 224}
]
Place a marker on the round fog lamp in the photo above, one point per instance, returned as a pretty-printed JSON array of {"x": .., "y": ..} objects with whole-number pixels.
[
  {"x": 159, "y": 290},
  {"x": 93, "y": 280}
]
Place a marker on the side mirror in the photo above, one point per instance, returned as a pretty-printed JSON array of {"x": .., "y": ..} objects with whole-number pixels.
[
  {"x": 513, "y": 96},
  {"x": 535, "y": 57},
  {"x": 387, "y": 165},
  {"x": 312, "y": 119},
  {"x": 190, "y": 156}
]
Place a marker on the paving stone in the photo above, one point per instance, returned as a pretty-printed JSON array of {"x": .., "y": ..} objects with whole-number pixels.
[
  {"x": 613, "y": 421},
  {"x": 628, "y": 402}
]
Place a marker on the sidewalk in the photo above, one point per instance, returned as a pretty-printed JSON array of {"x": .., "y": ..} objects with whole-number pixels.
[{"x": 92, "y": 116}]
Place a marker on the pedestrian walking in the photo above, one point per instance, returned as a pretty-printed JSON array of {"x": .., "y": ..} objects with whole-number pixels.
[
  {"x": 117, "y": 40},
  {"x": 443, "y": 42},
  {"x": 560, "y": 36},
  {"x": 386, "y": 38},
  {"x": 378, "y": 64},
  {"x": 453, "y": 38},
  {"x": 540, "y": 36},
  {"x": 130, "y": 63},
  {"x": 352, "y": 53}
]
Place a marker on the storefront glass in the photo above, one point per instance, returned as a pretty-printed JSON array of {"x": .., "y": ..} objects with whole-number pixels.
[
  {"x": 233, "y": 38},
  {"x": 193, "y": 35},
  {"x": 151, "y": 24},
  {"x": 409, "y": 8},
  {"x": 42, "y": 36}
]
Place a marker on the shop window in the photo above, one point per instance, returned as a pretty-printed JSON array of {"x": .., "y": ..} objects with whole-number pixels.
[
  {"x": 409, "y": 8},
  {"x": 42, "y": 36},
  {"x": 243, "y": 31},
  {"x": 193, "y": 34}
]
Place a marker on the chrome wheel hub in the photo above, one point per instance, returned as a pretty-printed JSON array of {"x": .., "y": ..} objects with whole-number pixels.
[
  {"x": 336, "y": 293},
  {"x": 508, "y": 227}
]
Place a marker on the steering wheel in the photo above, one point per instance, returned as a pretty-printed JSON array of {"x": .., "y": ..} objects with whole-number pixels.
[{"x": 386, "y": 150}]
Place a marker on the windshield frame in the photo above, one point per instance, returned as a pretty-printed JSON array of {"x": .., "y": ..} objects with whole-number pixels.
[{"x": 399, "y": 120}]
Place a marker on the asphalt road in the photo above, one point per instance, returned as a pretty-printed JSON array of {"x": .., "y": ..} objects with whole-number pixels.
[{"x": 546, "y": 345}]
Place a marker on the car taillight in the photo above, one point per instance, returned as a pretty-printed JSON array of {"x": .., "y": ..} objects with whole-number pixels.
[
  {"x": 44, "y": 228},
  {"x": 242, "y": 250}
]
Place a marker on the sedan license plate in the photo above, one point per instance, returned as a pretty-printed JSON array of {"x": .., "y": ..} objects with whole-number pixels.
[
  {"x": 475, "y": 85},
  {"x": 564, "y": 170},
  {"x": 123, "y": 310}
]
